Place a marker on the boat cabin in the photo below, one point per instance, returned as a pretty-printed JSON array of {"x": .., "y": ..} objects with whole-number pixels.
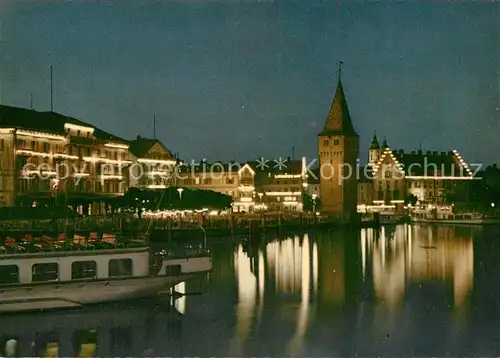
[
  {"x": 33, "y": 268},
  {"x": 33, "y": 259}
]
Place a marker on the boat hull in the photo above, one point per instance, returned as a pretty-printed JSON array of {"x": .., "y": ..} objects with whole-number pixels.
[{"x": 78, "y": 294}]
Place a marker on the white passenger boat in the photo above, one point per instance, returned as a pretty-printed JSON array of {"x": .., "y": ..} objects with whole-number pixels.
[
  {"x": 445, "y": 215},
  {"x": 48, "y": 274}
]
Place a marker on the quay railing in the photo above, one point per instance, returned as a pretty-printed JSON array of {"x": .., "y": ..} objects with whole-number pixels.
[{"x": 131, "y": 223}]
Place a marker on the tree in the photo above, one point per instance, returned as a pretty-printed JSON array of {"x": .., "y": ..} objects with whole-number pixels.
[{"x": 174, "y": 199}]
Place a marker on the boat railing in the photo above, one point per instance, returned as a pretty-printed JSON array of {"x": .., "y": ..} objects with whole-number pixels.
[{"x": 12, "y": 246}]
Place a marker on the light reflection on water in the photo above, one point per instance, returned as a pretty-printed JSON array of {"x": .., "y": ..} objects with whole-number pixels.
[{"x": 413, "y": 290}]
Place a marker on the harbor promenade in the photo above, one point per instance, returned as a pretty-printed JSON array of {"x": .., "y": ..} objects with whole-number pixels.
[{"x": 179, "y": 227}]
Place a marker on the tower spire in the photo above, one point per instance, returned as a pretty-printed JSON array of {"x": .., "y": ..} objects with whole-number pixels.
[
  {"x": 374, "y": 144},
  {"x": 339, "y": 120}
]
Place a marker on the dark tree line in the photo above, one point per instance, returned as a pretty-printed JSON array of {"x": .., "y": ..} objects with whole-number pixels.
[{"x": 173, "y": 199}]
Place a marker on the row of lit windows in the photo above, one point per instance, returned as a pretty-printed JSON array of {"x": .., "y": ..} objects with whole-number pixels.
[
  {"x": 9, "y": 274},
  {"x": 430, "y": 184},
  {"x": 73, "y": 184},
  {"x": 334, "y": 153}
]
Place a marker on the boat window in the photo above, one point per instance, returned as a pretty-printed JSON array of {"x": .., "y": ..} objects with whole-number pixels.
[
  {"x": 83, "y": 269},
  {"x": 9, "y": 274},
  {"x": 46, "y": 345},
  {"x": 45, "y": 272},
  {"x": 120, "y": 267},
  {"x": 10, "y": 347},
  {"x": 85, "y": 343}
]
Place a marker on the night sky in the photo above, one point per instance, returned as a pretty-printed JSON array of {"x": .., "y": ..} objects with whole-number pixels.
[{"x": 236, "y": 80}]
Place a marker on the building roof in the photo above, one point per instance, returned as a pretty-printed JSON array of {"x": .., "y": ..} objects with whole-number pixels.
[
  {"x": 431, "y": 163},
  {"x": 140, "y": 147},
  {"x": 22, "y": 118},
  {"x": 215, "y": 167},
  {"x": 339, "y": 120}
]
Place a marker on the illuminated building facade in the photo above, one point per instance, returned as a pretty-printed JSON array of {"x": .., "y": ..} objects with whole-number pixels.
[
  {"x": 49, "y": 156},
  {"x": 396, "y": 175},
  {"x": 153, "y": 167},
  {"x": 338, "y": 151},
  {"x": 282, "y": 188},
  {"x": 231, "y": 179}
]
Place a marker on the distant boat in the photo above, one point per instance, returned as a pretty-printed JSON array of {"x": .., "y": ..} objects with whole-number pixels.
[
  {"x": 44, "y": 273},
  {"x": 445, "y": 215},
  {"x": 391, "y": 218}
]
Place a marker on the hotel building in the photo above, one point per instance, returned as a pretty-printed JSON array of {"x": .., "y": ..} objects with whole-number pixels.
[
  {"x": 281, "y": 188},
  {"x": 46, "y": 156},
  {"x": 231, "y": 179},
  {"x": 154, "y": 166}
]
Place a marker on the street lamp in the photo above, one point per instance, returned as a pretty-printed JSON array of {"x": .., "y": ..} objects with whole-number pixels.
[
  {"x": 260, "y": 196},
  {"x": 180, "y": 190}
]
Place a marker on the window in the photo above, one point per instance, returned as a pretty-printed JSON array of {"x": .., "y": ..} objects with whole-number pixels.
[
  {"x": 83, "y": 269},
  {"x": 335, "y": 142},
  {"x": 120, "y": 267},
  {"x": 45, "y": 272},
  {"x": 85, "y": 343},
  {"x": 9, "y": 274},
  {"x": 10, "y": 347},
  {"x": 46, "y": 344},
  {"x": 1, "y": 144}
]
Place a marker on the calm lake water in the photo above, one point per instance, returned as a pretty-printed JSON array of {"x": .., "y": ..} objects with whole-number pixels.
[{"x": 405, "y": 290}]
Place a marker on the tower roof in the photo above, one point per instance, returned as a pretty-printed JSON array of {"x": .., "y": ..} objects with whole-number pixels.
[
  {"x": 374, "y": 144},
  {"x": 384, "y": 144},
  {"x": 339, "y": 120}
]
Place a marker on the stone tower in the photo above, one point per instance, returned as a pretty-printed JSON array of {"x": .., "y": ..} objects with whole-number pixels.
[{"x": 338, "y": 148}]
